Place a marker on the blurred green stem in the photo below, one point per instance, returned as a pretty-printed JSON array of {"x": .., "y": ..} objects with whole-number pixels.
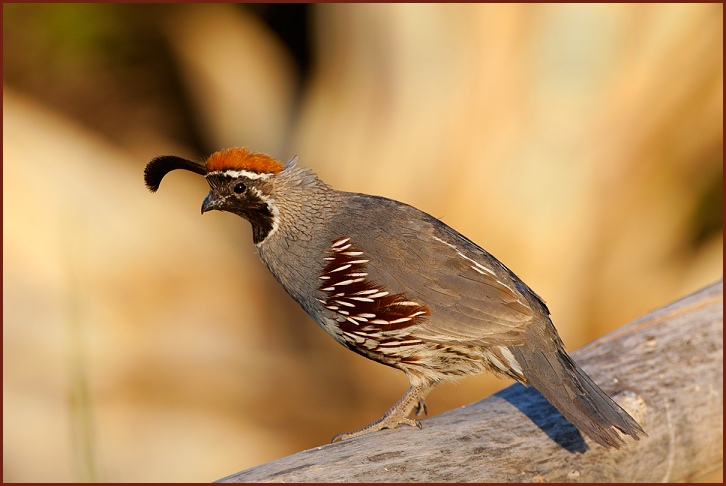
[{"x": 79, "y": 395}]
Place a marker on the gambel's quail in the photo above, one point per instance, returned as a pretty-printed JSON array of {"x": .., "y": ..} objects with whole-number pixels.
[{"x": 400, "y": 287}]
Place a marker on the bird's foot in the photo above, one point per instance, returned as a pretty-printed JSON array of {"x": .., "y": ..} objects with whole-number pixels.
[
  {"x": 412, "y": 400},
  {"x": 386, "y": 422}
]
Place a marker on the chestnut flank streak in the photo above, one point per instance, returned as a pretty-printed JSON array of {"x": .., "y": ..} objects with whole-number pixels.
[{"x": 367, "y": 308}]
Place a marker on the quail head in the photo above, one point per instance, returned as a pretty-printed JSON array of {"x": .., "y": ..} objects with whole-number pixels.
[{"x": 400, "y": 287}]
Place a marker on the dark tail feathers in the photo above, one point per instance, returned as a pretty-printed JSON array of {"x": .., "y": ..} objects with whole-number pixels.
[{"x": 547, "y": 367}]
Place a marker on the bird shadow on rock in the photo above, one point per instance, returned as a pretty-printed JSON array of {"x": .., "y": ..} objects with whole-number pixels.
[{"x": 545, "y": 416}]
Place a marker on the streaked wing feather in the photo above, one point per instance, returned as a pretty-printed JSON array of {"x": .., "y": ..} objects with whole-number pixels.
[{"x": 485, "y": 307}]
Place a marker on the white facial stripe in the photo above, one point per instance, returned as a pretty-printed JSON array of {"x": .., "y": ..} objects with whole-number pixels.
[
  {"x": 273, "y": 210},
  {"x": 242, "y": 173}
]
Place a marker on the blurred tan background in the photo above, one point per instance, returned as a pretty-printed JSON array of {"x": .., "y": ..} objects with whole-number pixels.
[{"x": 580, "y": 144}]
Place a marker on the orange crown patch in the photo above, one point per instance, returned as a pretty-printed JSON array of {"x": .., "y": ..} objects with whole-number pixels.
[{"x": 242, "y": 159}]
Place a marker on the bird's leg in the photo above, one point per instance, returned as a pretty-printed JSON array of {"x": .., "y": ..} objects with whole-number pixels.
[
  {"x": 420, "y": 408},
  {"x": 398, "y": 414}
]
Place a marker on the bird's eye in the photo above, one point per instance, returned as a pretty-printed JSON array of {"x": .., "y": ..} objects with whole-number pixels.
[{"x": 239, "y": 188}]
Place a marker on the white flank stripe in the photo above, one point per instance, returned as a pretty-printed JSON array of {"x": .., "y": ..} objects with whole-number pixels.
[
  {"x": 355, "y": 338},
  {"x": 493, "y": 359},
  {"x": 510, "y": 357},
  {"x": 366, "y": 292},
  {"x": 341, "y": 241}
]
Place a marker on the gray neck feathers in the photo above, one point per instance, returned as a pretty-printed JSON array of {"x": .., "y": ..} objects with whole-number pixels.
[
  {"x": 304, "y": 202},
  {"x": 305, "y": 207}
]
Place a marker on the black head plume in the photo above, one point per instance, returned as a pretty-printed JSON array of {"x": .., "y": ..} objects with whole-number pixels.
[{"x": 160, "y": 166}]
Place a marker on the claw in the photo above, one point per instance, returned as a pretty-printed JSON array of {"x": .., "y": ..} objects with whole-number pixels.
[
  {"x": 420, "y": 408},
  {"x": 412, "y": 400}
]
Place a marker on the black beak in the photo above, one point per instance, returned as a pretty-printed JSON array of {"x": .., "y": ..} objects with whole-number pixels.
[{"x": 211, "y": 202}]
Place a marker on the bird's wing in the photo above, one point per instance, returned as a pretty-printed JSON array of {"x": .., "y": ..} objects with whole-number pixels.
[{"x": 471, "y": 297}]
